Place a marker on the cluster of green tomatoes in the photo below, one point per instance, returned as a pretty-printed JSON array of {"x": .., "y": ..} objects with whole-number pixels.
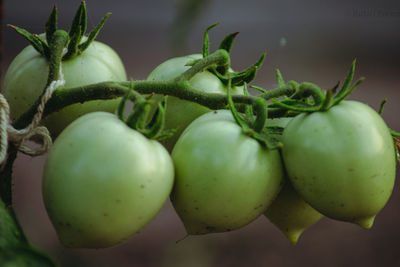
[{"x": 103, "y": 181}]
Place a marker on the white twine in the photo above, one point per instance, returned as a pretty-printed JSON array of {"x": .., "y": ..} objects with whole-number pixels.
[{"x": 9, "y": 134}]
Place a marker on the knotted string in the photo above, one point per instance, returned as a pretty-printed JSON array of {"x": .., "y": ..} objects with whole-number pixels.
[{"x": 19, "y": 136}]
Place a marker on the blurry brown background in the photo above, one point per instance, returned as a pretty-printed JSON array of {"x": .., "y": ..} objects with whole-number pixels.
[{"x": 309, "y": 41}]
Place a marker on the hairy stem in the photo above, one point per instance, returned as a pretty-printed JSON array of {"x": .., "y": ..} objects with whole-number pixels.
[{"x": 58, "y": 43}]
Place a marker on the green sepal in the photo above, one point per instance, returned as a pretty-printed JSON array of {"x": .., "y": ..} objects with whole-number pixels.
[
  {"x": 206, "y": 41},
  {"x": 78, "y": 30},
  {"x": 258, "y": 88},
  {"x": 226, "y": 45},
  {"x": 248, "y": 75},
  {"x": 35, "y": 40},
  {"x": 93, "y": 34},
  {"x": 51, "y": 24},
  {"x": 279, "y": 78},
  {"x": 346, "y": 88},
  {"x": 79, "y": 22},
  {"x": 73, "y": 44},
  {"x": 138, "y": 115},
  {"x": 381, "y": 106},
  {"x": 346, "y": 83},
  {"x": 329, "y": 98},
  {"x": 155, "y": 128},
  {"x": 138, "y": 119},
  {"x": 254, "y": 126}
]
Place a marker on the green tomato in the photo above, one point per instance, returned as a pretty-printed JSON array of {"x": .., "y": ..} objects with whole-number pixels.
[
  {"x": 224, "y": 179},
  {"x": 180, "y": 113},
  {"x": 289, "y": 212},
  {"x": 341, "y": 161},
  {"x": 104, "y": 181},
  {"x": 26, "y": 78}
]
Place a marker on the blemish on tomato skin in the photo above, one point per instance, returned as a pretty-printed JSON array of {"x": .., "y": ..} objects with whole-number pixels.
[
  {"x": 350, "y": 169},
  {"x": 259, "y": 206},
  {"x": 105, "y": 214},
  {"x": 142, "y": 186}
]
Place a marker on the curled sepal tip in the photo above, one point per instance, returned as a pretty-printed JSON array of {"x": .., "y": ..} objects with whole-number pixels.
[
  {"x": 239, "y": 78},
  {"x": 142, "y": 118},
  {"x": 206, "y": 40},
  {"x": 254, "y": 120},
  {"x": 246, "y": 76}
]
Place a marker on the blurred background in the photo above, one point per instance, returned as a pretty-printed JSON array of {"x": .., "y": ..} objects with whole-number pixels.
[{"x": 309, "y": 40}]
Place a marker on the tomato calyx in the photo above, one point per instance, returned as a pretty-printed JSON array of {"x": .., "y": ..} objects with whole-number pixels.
[
  {"x": 253, "y": 121},
  {"x": 308, "y": 97},
  {"x": 223, "y": 72},
  {"x": 143, "y": 118},
  {"x": 78, "y": 30},
  {"x": 75, "y": 46}
]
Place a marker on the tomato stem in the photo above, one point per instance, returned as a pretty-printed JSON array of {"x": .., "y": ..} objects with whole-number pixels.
[{"x": 219, "y": 58}]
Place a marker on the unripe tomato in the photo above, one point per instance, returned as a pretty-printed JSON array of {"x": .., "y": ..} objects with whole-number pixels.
[
  {"x": 341, "y": 161},
  {"x": 104, "y": 181},
  {"x": 289, "y": 212},
  {"x": 180, "y": 113},
  {"x": 224, "y": 179},
  {"x": 27, "y": 74}
]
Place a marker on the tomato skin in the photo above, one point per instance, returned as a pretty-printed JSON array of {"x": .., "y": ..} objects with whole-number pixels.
[
  {"x": 224, "y": 179},
  {"x": 104, "y": 181},
  {"x": 289, "y": 212},
  {"x": 341, "y": 161},
  {"x": 27, "y": 74},
  {"x": 180, "y": 113}
]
